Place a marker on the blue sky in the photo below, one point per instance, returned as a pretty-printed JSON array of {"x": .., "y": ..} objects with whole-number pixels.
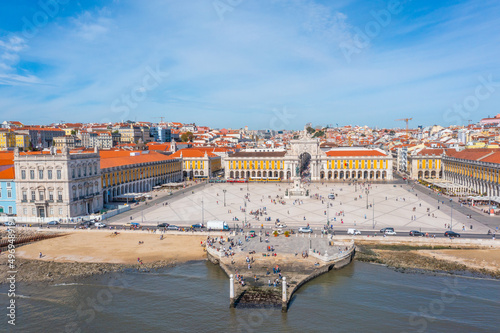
[{"x": 266, "y": 64}]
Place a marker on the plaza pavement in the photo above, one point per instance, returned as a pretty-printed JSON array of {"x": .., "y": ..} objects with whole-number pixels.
[{"x": 393, "y": 207}]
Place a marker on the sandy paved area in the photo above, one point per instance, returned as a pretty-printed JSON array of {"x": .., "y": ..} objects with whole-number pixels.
[
  {"x": 123, "y": 248},
  {"x": 393, "y": 206},
  {"x": 489, "y": 259}
]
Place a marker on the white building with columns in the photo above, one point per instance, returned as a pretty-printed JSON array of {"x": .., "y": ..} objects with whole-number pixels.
[
  {"x": 57, "y": 185},
  {"x": 305, "y": 159}
]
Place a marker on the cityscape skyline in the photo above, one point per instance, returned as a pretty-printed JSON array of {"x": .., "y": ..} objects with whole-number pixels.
[{"x": 240, "y": 63}]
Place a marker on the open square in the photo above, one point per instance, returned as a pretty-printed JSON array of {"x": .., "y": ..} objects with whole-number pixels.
[{"x": 389, "y": 205}]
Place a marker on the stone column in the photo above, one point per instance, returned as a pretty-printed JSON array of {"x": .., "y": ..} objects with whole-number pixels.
[{"x": 231, "y": 291}]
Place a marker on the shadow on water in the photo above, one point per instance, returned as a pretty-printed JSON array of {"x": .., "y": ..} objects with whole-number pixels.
[{"x": 334, "y": 278}]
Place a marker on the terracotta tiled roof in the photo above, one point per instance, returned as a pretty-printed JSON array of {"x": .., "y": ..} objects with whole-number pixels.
[
  {"x": 158, "y": 146},
  {"x": 477, "y": 154},
  {"x": 493, "y": 158},
  {"x": 259, "y": 154},
  {"x": 360, "y": 152},
  {"x": 127, "y": 160},
  {"x": 430, "y": 151},
  {"x": 191, "y": 152},
  {"x": 7, "y": 172}
]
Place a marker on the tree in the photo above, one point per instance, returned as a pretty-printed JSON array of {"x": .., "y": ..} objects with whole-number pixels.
[
  {"x": 188, "y": 136},
  {"x": 310, "y": 130},
  {"x": 318, "y": 134},
  {"x": 73, "y": 132}
]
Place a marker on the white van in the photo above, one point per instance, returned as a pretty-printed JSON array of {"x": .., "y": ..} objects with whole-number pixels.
[{"x": 353, "y": 232}]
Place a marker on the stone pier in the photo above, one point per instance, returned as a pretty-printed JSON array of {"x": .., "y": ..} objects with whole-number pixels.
[{"x": 294, "y": 261}]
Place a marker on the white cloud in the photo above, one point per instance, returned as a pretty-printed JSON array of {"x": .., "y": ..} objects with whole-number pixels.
[{"x": 284, "y": 53}]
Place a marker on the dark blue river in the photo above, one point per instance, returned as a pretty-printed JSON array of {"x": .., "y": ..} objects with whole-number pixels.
[{"x": 194, "y": 297}]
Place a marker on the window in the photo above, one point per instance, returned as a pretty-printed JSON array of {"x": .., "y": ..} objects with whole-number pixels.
[
  {"x": 49, "y": 174},
  {"x": 1, "y": 209},
  {"x": 58, "y": 174},
  {"x": 51, "y": 195},
  {"x": 9, "y": 185},
  {"x": 32, "y": 174},
  {"x": 23, "y": 174},
  {"x": 33, "y": 211},
  {"x": 84, "y": 171},
  {"x": 60, "y": 211},
  {"x": 25, "y": 211},
  {"x": 25, "y": 196},
  {"x": 59, "y": 195},
  {"x": 90, "y": 170},
  {"x": 40, "y": 174},
  {"x": 11, "y": 211},
  {"x": 51, "y": 211},
  {"x": 9, "y": 193},
  {"x": 33, "y": 195},
  {"x": 41, "y": 195},
  {"x": 73, "y": 173},
  {"x": 95, "y": 169},
  {"x": 74, "y": 193},
  {"x": 79, "y": 172}
]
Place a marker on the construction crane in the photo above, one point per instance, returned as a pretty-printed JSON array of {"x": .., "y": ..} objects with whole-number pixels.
[
  {"x": 161, "y": 118},
  {"x": 406, "y": 120}
]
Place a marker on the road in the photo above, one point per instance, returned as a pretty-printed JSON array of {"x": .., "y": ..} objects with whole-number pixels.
[{"x": 317, "y": 230}]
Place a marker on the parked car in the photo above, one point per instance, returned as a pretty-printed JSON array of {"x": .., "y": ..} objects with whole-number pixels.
[
  {"x": 172, "y": 227},
  {"x": 384, "y": 230},
  {"x": 10, "y": 224},
  {"x": 305, "y": 230},
  {"x": 416, "y": 233},
  {"x": 100, "y": 225},
  {"x": 450, "y": 233},
  {"x": 163, "y": 225},
  {"x": 351, "y": 231},
  {"x": 280, "y": 225},
  {"x": 390, "y": 233},
  {"x": 52, "y": 223},
  {"x": 197, "y": 226}
]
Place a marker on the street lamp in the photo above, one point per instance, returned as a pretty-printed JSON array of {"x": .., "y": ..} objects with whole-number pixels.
[
  {"x": 224, "y": 191},
  {"x": 451, "y": 215},
  {"x": 245, "y": 212},
  {"x": 373, "y": 214},
  {"x": 202, "y": 212},
  {"x": 367, "y": 192}
]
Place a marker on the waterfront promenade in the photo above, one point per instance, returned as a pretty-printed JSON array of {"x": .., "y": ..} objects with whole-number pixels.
[{"x": 266, "y": 271}]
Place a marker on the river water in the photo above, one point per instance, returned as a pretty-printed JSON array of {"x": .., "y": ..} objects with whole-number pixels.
[{"x": 194, "y": 297}]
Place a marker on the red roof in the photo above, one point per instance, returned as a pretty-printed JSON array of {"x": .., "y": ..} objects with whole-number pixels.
[
  {"x": 127, "y": 160},
  {"x": 191, "y": 152},
  {"x": 478, "y": 154},
  {"x": 430, "y": 151},
  {"x": 7, "y": 172},
  {"x": 360, "y": 152}
]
